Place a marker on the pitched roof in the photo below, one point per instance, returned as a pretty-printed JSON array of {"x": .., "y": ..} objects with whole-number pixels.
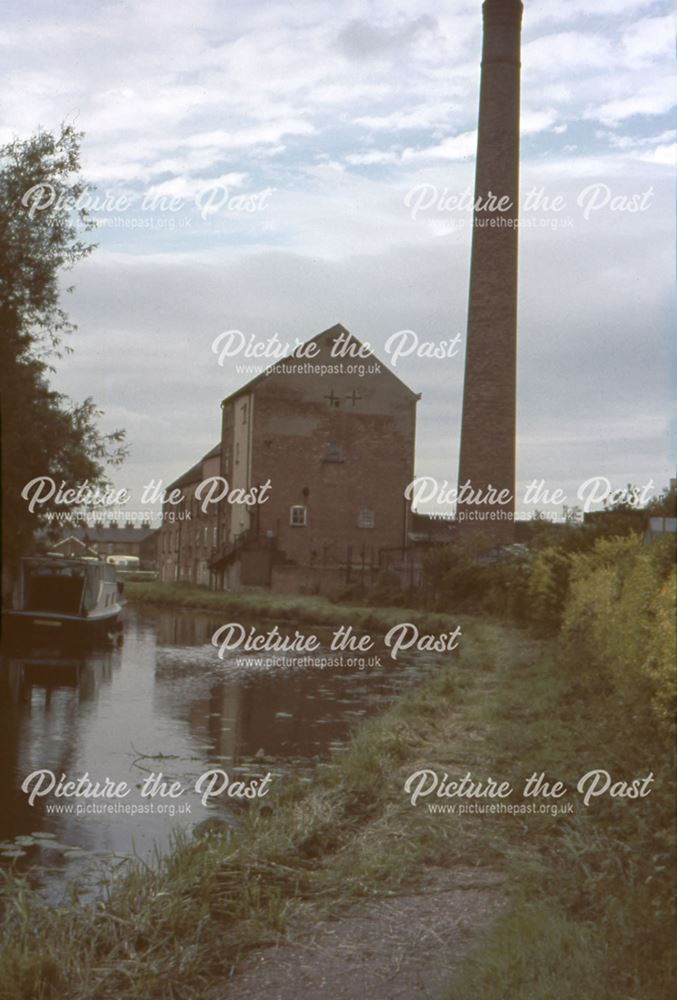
[
  {"x": 194, "y": 474},
  {"x": 72, "y": 538},
  {"x": 337, "y": 329},
  {"x": 92, "y": 533}
]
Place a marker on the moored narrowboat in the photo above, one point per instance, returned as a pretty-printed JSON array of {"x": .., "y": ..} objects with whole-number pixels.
[{"x": 59, "y": 595}]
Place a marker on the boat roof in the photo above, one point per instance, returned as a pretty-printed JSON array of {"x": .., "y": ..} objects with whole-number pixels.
[{"x": 54, "y": 559}]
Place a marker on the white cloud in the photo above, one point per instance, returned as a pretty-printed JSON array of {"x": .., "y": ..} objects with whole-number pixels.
[
  {"x": 577, "y": 11},
  {"x": 538, "y": 121},
  {"x": 376, "y": 156},
  {"x": 362, "y": 39},
  {"x": 426, "y": 115},
  {"x": 650, "y": 99},
  {"x": 649, "y": 39},
  {"x": 665, "y": 155},
  {"x": 191, "y": 187},
  {"x": 565, "y": 53},
  {"x": 454, "y": 147},
  {"x": 635, "y": 141}
]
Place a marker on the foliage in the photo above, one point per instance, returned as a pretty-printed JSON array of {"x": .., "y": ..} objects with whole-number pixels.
[
  {"x": 592, "y": 914},
  {"x": 663, "y": 505},
  {"x": 44, "y": 433},
  {"x": 529, "y": 583},
  {"x": 547, "y": 589},
  {"x": 456, "y": 581},
  {"x": 618, "y": 622}
]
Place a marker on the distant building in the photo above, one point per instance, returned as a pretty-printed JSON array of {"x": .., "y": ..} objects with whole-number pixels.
[
  {"x": 334, "y": 436},
  {"x": 619, "y": 519},
  {"x": 111, "y": 540},
  {"x": 73, "y": 548},
  {"x": 427, "y": 530},
  {"x": 658, "y": 527},
  {"x": 187, "y": 546}
]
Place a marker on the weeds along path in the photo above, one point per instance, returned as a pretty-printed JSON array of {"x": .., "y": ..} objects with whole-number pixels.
[{"x": 409, "y": 892}]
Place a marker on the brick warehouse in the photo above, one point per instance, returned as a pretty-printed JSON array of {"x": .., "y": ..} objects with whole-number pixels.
[{"x": 337, "y": 448}]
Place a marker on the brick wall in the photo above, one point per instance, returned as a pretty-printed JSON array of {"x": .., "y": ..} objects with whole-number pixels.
[{"x": 341, "y": 447}]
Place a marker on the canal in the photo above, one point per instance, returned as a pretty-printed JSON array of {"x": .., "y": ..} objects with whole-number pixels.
[{"x": 157, "y": 700}]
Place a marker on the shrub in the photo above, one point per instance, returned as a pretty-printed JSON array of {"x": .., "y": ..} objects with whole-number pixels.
[
  {"x": 618, "y": 622},
  {"x": 547, "y": 589}
]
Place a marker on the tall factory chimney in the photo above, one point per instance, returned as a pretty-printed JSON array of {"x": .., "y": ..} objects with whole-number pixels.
[{"x": 489, "y": 397}]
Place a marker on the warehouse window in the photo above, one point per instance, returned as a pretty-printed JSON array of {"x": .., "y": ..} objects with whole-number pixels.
[
  {"x": 297, "y": 516},
  {"x": 366, "y": 519}
]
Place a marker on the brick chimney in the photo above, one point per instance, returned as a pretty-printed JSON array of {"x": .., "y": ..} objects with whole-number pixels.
[{"x": 489, "y": 396}]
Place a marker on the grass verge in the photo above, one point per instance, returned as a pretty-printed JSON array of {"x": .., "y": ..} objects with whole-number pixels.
[{"x": 296, "y": 608}]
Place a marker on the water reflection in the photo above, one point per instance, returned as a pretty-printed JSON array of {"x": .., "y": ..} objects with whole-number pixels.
[
  {"x": 159, "y": 700},
  {"x": 45, "y": 695}
]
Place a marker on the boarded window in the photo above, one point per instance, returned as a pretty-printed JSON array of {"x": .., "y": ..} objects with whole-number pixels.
[{"x": 333, "y": 452}]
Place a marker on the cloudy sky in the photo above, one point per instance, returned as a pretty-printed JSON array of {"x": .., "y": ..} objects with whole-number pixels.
[{"x": 283, "y": 167}]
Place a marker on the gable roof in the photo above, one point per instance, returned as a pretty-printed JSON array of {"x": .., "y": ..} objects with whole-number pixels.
[
  {"x": 337, "y": 329},
  {"x": 74, "y": 538},
  {"x": 98, "y": 532},
  {"x": 194, "y": 474}
]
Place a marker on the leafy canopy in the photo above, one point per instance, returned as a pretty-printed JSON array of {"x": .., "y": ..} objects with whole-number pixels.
[{"x": 43, "y": 229}]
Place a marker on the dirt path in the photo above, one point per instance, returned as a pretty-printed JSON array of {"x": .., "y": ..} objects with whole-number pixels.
[{"x": 394, "y": 948}]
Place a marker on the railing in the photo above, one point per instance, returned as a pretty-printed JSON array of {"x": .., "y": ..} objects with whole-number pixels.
[{"x": 222, "y": 554}]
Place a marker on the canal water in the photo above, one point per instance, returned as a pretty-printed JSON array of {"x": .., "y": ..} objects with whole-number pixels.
[{"x": 157, "y": 700}]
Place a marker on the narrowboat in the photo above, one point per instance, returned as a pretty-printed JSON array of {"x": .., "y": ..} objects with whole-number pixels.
[{"x": 60, "y": 595}]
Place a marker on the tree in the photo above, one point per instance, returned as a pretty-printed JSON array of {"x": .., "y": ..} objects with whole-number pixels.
[
  {"x": 42, "y": 224},
  {"x": 663, "y": 505}
]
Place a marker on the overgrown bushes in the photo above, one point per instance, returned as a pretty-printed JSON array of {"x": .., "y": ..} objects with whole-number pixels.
[
  {"x": 532, "y": 585},
  {"x": 618, "y": 622},
  {"x": 453, "y": 580}
]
